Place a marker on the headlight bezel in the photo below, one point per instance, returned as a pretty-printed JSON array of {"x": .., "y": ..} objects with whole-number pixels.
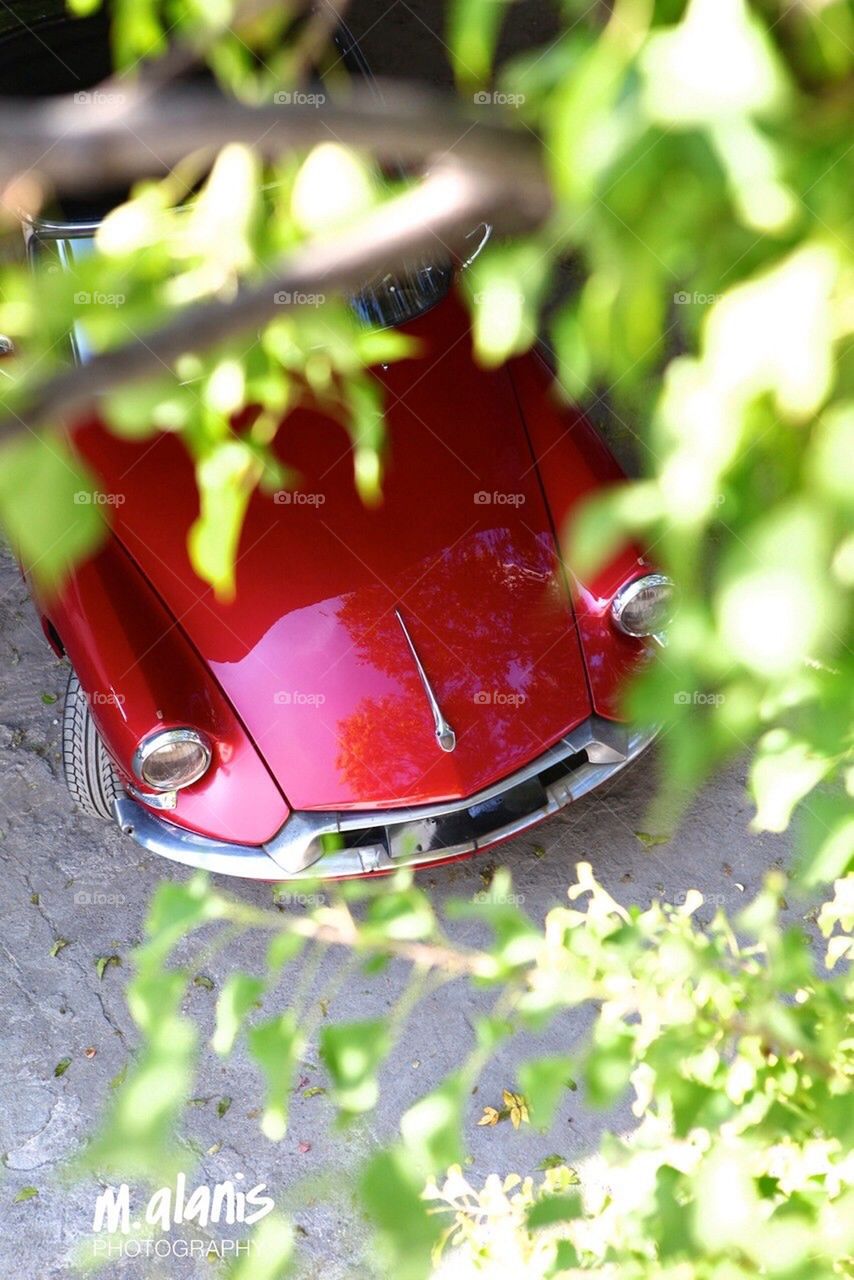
[
  {"x": 626, "y": 596},
  {"x": 160, "y": 738}
]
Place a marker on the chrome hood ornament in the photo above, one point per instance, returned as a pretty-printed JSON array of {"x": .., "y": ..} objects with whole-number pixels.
[{"x": 445, "y": 735}]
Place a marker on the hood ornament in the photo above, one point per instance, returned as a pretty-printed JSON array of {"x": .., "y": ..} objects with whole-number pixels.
[{"x": 445, "y": 735}]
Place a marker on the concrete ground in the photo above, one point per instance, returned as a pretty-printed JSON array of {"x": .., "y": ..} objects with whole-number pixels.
[{"x": 73, "y": 878}]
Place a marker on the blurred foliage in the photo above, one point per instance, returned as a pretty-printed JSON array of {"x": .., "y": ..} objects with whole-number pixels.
[
  {"x": 701, "y": 160},
  {"x": 700, "y": 156},
  {"x": 733, "y": 1040}
]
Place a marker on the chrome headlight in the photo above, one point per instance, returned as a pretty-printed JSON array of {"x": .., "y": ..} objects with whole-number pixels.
[
  {"x": 171, "y": 759},
  {"x": 644, "y": 607}
]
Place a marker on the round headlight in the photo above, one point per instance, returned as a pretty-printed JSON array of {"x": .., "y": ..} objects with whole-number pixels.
[
  {"x": 644, "y": 607},
  {"x": 171, "y": 759}
]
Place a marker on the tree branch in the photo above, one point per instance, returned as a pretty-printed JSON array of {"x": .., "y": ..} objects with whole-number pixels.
[
  {"x": 110, "y": 141},
  {"x": 443, "y": 207}
]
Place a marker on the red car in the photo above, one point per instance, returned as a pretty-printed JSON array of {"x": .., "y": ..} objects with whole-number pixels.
[{"x": 391, "y": 686}]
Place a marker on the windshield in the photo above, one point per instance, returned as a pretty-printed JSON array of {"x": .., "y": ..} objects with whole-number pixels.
[{"x": 392, "y": 298}]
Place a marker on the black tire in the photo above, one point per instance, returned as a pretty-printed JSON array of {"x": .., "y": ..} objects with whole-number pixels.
[{"x": 89, "y": 772}]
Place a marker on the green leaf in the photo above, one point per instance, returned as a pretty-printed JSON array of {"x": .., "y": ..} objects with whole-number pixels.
[
  {"x": 240, "y": 994},
  {"x": 544, "y": 1081},
  {"x": 608, "y": 1066},
  {"x": 552, "y": 1161},
  {"x": 333, "y": 187},
  {"x": 784, "y": 770},
  {"x": 227, "y": 473},
  {"x": 176, "y": 909},
  {"x": 26, "y": 1193},
  {"x": 825, "y": 840},
  {"x": 61, "y": 1067},
  {"x": 270, "y": 1254},
  {"x": 650, "y": 841},
  {"x": 41, "y": 474},
  {"x": 505, "y": 286},
  {"x": 431, "y": 1128},
  {"x": 58, "y": 946},
  {"x": 277, "y": 1046},
  {"x": 554, "y": 1209},
  {"x": 391, "y": 1193},
  {"x": 119, "y": 1078},
  {"x": 103, "y": 962},
  {"x": 473, "y": 27},
  {"x": 223, "y": 1106},
  {"x": 352, "y": 1051},
  {"x": 404, "y": 915},
  {"x": 48, "y": 699},
  {"x": 725, "y": 1208},
  {"x": 284, "y": 948}
]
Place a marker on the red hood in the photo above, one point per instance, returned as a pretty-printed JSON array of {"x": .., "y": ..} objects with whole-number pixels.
[{"x": 311, "y": 653}]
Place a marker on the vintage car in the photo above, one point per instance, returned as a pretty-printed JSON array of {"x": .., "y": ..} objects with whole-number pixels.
[{"x": 398, "y": 685}]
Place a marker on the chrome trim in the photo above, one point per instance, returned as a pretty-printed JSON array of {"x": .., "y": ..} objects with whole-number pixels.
[
  {"x": 155, "y": 799},
  {"x": 593, "y": 753},
  {"x": 626, "y": 595},
  {"x": 164, "y": 738},
  {"x": 445, "y": 735}
]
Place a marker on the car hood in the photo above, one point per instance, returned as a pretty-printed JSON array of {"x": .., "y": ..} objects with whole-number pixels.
[{"x": 312, "y": 653}]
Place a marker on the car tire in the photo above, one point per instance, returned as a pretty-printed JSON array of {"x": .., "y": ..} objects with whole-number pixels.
[{"x": 89, "y": 772}]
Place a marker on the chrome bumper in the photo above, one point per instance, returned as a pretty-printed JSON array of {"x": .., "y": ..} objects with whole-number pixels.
[{"x": 382, "y": 840}]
